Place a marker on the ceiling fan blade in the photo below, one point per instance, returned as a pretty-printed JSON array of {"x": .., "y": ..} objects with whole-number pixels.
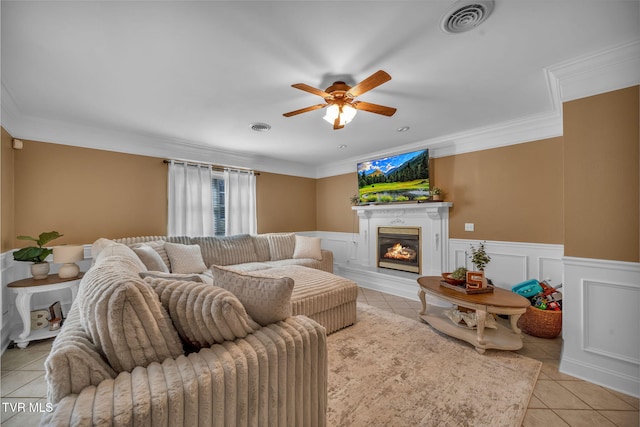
[
  {"x": 304, "y": 110},
  {"x": 374, "y": 80},
  {"x": 374, "y": 108},
  {"x": 311, "y": 89}
]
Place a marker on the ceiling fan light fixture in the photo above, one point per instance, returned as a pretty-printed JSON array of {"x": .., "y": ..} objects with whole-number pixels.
[{"x": 346, "y": 115}]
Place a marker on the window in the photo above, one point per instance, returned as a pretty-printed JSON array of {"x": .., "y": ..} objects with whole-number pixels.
[{"x": 217, "y": 202}]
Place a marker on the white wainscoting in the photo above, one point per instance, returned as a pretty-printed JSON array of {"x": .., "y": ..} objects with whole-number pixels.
[
  {"x": 601, "y": 328},
  {"x": 511, "y": 263}
]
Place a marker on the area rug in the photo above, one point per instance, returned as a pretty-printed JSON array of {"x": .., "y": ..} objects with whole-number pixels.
[{"x": 388, "y": 370}]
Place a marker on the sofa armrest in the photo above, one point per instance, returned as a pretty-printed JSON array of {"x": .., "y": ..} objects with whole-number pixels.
[
  {"x": 327, "y": 261},
  {"x": 275, "y": 376}
]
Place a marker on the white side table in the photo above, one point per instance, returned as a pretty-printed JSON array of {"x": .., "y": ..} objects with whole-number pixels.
[{"x": 27, "y": 287}]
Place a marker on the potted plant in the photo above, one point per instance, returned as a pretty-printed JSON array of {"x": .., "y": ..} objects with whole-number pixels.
[
  {"x": 479, "y": 256},
  {"x": 37, "y": 254},
  {"x": 436, "y": 193}
]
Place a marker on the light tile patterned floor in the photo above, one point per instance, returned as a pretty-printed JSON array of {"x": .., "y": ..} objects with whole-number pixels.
[{"x": 558, "y": 399}]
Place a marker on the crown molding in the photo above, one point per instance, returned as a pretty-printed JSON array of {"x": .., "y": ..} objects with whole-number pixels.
[
  {"x": 600, "y": 72},
  {"x": 604, "y": 71},
  {"x": 32, "y": 128},
  {"x": 513, "y": 132}
]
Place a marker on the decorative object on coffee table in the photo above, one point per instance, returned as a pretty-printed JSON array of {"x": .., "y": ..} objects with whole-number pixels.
[
  {"x": 479, "y": 256},
  {"x": 457, "y": 277}
]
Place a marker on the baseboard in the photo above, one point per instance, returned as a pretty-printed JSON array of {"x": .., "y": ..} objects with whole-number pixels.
[{"x": 601, "y": 376}]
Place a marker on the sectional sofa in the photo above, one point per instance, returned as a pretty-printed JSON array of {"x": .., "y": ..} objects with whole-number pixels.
[
  {"x": 223, "y": 334},
  {"x": 324, "y": 297}
]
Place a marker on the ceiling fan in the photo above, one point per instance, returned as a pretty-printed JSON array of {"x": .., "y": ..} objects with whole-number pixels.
[{"x": 340, "y": 98}]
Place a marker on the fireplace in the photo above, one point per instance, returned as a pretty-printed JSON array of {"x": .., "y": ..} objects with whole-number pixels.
[{"x": 399, "y": 248}]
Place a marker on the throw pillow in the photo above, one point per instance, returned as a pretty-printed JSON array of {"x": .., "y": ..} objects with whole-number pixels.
[
  {"x": 308, "y": 247},
  {"x": 281, "y": 246},
  {"x": 203, "y": 314},
  {"x": 150, "y": 258},
  {"x": 124, "y": 317},
  {"x": 266, "y": 299},
  {"x": 185, "y": 258},
  {"x": 238, "y": 249},
  {"x": 158, "y": 246},
  {"x": 107, "y": 248}
]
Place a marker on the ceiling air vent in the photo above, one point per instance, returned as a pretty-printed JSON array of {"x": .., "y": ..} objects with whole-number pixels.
[
  {"x": 260, "y": 127},
  {"x": 466, "y": 15}
]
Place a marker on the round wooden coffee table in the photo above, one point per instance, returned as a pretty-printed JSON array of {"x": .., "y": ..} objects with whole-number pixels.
[{"x": 499, "y": 301}]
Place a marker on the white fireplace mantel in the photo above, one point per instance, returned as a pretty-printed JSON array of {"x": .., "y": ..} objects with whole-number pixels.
[{"x": 431, "y": 217}]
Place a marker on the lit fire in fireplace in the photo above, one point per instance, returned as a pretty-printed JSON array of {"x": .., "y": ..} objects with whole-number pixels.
[{"x": 398, "y": 251}]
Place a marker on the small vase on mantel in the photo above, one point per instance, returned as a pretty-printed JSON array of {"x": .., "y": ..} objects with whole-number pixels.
[{"x": 40, "y": 270}]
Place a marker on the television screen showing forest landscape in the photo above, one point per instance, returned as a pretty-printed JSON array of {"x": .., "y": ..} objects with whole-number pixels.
[{"x": 400, "y": 178}]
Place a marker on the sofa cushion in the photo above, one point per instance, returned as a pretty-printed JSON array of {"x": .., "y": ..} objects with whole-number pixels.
[
  {"x": 103, "y": 248},
  {"x": 203, "y": 314},
  {"x": 158, "y": 246},
  {"x": 150, "y": 258},
  {"x": 124, "y": 317},
  {"x": 228, "y": 250},
  {"x": 261, "y": 243},
  {"x": 185, "y": 258},
  {"x": 266, "y": 299},
  {"x": 308, "y": 247},
  {"x": 281, "y": 245}
]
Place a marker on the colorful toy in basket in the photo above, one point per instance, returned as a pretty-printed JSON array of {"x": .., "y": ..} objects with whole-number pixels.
[{"x": 528, "y": 289}]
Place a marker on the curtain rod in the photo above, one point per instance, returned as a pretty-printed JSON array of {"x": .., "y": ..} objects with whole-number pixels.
[{"x": 214, "y": 167}]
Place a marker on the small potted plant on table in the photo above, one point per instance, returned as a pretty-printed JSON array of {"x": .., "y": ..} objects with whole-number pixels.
[{"x": 37, "y": 254}]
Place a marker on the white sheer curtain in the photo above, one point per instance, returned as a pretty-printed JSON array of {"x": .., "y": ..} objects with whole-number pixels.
[
  {"x": 240, "y": 202},
  {"x": 190, "y": 206}
]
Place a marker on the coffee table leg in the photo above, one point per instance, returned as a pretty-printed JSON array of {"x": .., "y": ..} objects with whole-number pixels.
[
  {"x": 481, "y": 316},
  {"x": 423, "y": 300},
  {"x": 514, "y": 323}
]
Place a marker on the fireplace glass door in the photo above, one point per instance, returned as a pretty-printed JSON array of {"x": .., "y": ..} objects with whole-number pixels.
[{"x": 399, "y": 248}]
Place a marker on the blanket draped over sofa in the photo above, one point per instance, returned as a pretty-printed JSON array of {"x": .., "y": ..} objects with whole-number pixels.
[{"x": 220, "y": 331}]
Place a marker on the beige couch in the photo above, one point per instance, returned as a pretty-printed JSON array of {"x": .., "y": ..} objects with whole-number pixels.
[
  {"x": 159, "y": 351},
  {"x": 324, "y": 297}
]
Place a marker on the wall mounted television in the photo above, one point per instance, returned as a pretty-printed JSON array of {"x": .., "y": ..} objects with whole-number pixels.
[{"x": 399, "y": 178}]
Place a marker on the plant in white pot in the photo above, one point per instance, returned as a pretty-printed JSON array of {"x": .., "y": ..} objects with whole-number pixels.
[{"x": 37, "y": 254}]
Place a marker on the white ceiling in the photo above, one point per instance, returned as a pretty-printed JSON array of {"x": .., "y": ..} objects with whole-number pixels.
[{"x": 193, "y": 75}]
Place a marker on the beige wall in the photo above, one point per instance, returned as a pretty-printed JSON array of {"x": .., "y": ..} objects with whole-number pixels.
[
  {"x": 7, "y": 200},
  {"x": 511, "y": 193},
  {"x": 601, "y": 168},
  {"x": 85, "y": 194},
  {"x": 334, "y": 205},
  {"x": 540, "y": 192},
  {"x": 285, "y": 203}
]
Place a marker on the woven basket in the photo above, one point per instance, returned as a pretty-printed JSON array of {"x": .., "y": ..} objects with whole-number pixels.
[{"x": 541, "y": 323}]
